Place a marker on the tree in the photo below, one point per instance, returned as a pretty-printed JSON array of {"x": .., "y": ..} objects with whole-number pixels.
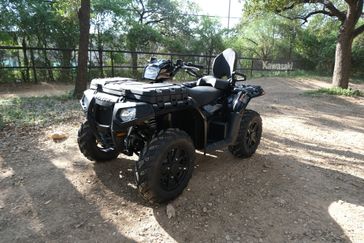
[
  {"x": 209, "y": 34},
  {"x": 265, "y": 37},
  {"x": 155, "y": 22},
  {"x": 84, "y": 20},
  {"x": 315, "y": 44},
  {"x": 65, "y": 34},
  {"x": 348, "y": 14},
  {"x": 34, "y": 23}
]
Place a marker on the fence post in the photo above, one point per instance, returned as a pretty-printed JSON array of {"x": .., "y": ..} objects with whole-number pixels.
[
  {"x": 112, "y": 64},
  {"x": 101, "y": 62},
  {"x": 72, "y": 67},
  {"x": 33, "y": 66},
  {"x": 209, "y": 66},
  {"x": 134, "y": 63},
  {"x": 251, "y": 68},
  {"x": 89, "y": 62}
]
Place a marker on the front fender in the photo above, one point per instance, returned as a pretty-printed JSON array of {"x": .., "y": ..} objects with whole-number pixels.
[
  {"x": 86, "y": 99},
  {"x": 144, "y": 112}
]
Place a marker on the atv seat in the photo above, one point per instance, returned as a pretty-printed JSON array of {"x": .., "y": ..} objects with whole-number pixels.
[
  {"x": 203, "y": 95},
  {"x": 223, "y": 66},
  {"x": 213, "y": 82}
]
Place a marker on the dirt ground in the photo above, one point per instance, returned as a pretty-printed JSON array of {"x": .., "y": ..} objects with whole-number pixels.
[
  {"x": 26, "y": 90},
  {"x": 304, "y": 184}
]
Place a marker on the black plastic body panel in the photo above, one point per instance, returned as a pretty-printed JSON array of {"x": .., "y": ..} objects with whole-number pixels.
[
  {"x": 87, "y": 97},
  {"x": 144, "y": 112},
  {"x": 242, "y": 95},
  {"x": 167, "y": 105},
  {"x": 154, "y": 93}
]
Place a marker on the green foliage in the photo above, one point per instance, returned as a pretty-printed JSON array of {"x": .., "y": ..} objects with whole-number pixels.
[
  {"x": 142, "y": 36},
  {"x": 256, "y": 6},
  {"x": 265, "y": 37},
  {"x": 358, "y": 56},
  {"x": 209, "y": 36},
  {"x": 154, "y": 24},
  {"x": 315, "y": 40},
  {"x": 335, "y": 91},
  {"x": 37, "y": 111},
  {"x": 315, "y": 45}
]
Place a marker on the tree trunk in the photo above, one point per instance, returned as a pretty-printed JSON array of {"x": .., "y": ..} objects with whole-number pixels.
[
  {"x": 343, "y": 54},
  {"x": 342, "y": 66},
  {"x": 134, "y": 63},
  {"x": 19, "y": 64},
  {"x": 33, "y": 66},
  {"x": 48, "y": 64},
  {"x": 66, "y": 63},
  {"x": 84, "y": 19},
  {"x": 26, "y": 60}
]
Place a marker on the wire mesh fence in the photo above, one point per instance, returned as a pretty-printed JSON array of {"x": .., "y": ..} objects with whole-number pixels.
[{"x": 35, "y": 64}]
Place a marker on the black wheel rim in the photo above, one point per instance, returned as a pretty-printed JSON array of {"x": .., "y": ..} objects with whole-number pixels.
[
  {"x": 174, "y": 168},
  {"x": 252, "y": 134},
  {"x": 103, "y": 148}
]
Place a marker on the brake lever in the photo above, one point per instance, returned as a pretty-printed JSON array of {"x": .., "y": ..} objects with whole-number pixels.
[
  {"x": 186, "y": 67},
  {"x": 192, "y": 73}
]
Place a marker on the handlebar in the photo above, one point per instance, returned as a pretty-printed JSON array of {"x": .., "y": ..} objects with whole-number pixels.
[
  {"x": 185, "y": 65},
  {"x": 194, "y": 65},
  {"x": 190, "y": 68}
]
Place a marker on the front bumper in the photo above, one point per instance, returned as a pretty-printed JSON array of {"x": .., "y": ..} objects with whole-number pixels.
[{"x": 103, "y": 114}]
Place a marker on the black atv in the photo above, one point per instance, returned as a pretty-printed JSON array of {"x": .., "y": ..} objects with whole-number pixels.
[{"x": 164, "y": 123}]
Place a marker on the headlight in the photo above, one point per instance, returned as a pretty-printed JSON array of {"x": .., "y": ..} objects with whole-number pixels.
[{"x": 127, "y": 114}]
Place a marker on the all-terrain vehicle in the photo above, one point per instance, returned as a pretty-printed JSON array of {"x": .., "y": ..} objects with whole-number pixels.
[{"x": 164, "y": 123}]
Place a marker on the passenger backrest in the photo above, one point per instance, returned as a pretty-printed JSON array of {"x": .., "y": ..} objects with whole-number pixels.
[{"x": 224, "y": 64}]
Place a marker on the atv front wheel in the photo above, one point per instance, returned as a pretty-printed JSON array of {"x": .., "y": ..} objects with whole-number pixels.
[
  {"x": 90, "y": 148},
  {"x": 249, "y": 135},
  {"x": 165, "y": 166}
]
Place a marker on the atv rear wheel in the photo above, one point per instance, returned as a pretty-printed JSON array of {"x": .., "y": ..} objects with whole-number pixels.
[
  {"x": 249, "y": 135},
  {"x": 90, "y": 148},
  {"x": 165, "y": 166}
]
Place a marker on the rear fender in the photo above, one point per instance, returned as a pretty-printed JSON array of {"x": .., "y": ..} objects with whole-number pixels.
[{"x": 243, "y": 96}]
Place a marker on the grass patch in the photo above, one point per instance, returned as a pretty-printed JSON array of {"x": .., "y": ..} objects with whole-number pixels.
[
  {"x": 335, "y": 91},
  {"x": 37, "y": 111}
]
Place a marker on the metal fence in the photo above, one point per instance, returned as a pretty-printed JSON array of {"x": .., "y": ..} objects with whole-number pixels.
[{"x": 34, "y": 64}]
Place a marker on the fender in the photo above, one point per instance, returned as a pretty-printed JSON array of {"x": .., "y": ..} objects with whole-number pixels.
[
  {"x": 86, "y": 99},
  {"x": 244, "y": 94},
  {"x": 120, "y": 128},
  {"x": 144, "y": 111}
]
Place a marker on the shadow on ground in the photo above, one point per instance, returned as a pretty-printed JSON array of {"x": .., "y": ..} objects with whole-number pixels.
[
  {"x": 268, "y": 198},
  {"x": 39, "y": 204}
]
